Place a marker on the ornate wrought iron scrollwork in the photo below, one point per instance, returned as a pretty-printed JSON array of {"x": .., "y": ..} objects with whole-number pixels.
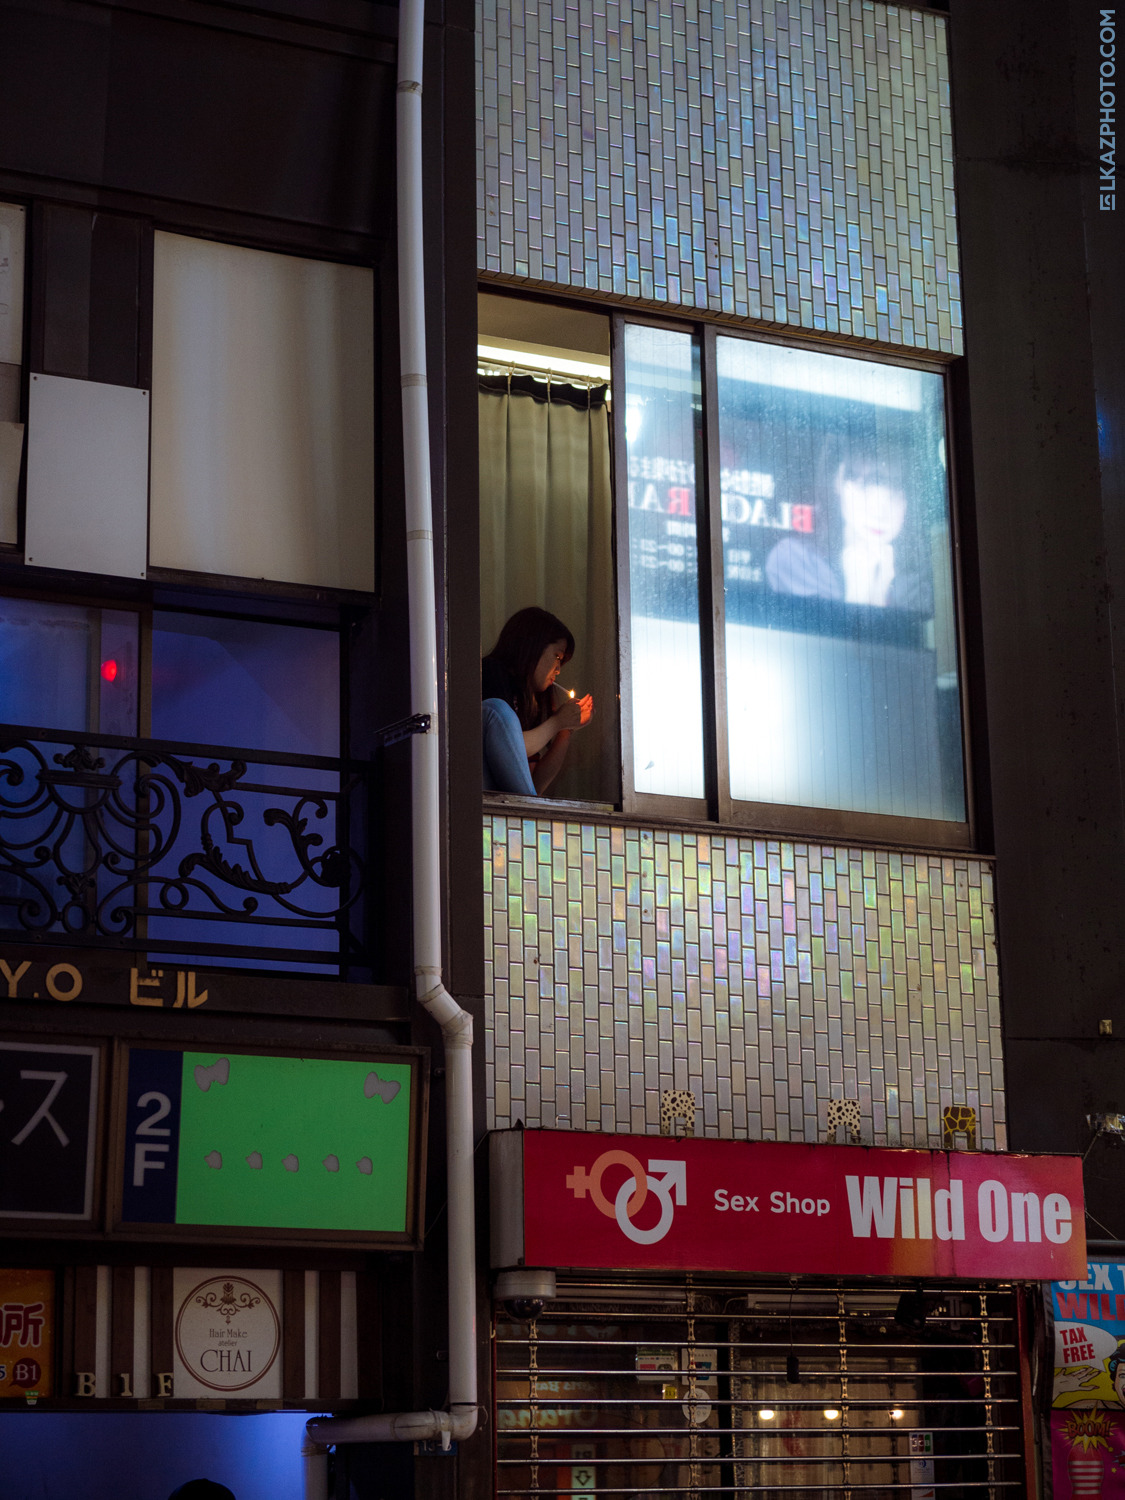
[{"x": 116, "y": 841}]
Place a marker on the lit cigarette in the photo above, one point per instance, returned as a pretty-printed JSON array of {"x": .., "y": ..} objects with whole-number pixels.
[{"x": 568, "y": 691}]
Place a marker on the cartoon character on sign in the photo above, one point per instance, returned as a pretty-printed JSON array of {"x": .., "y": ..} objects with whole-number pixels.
[
  {"x": 666, "y": 1181},
  {"x": 1088, "y": 1419},
  {"x": 1115, "y": 1369}
]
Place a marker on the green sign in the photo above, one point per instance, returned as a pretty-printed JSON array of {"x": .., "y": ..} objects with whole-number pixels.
[{"x": 246, "y": 1140}]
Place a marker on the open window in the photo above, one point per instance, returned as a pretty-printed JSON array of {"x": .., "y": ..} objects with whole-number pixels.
[
  {"x": 546, "y": 505},
  {"x": 778, "y": 600}
]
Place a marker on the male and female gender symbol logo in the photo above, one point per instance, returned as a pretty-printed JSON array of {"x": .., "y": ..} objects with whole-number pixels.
[{"x": 667, "y": 1180}]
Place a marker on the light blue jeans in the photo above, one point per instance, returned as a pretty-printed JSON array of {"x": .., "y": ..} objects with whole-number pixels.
[{"x": 505, "y": 758}]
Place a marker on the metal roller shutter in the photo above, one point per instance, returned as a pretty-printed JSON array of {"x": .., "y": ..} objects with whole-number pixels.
[{"x": 776, "y": 1389}]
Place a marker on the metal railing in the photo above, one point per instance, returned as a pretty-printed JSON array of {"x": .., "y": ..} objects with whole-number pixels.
[{"x": 166, "y": 847}]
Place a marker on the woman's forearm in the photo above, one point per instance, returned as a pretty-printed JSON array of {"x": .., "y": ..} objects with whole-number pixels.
[
  {"x": 548, "y": 767},
  {"x": 540, "y": 737}
]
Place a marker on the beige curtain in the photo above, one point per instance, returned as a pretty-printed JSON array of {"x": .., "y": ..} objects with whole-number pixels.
[{"x": 545, "y": 517}]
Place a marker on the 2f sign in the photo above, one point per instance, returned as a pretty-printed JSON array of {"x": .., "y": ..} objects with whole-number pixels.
[
  {"x": 152, "y": 1137},
  {"x": 150, "y": 1155}
]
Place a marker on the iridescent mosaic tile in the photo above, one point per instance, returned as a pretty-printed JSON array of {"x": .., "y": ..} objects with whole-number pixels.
[
  {"x": 789, "y": 161},
  {"x": 767, "y": 977}
]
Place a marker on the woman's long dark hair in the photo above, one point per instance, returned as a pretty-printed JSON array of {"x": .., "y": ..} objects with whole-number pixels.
[
  {"x": 521, "y": 643},
  {"x": 867, "y": 460}
]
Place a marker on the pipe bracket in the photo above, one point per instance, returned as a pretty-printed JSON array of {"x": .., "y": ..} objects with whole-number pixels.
[{"x": 402, "y": 729}]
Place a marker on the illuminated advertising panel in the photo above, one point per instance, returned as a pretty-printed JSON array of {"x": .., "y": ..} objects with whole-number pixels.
[
  {"x": 619, "y": 1202},
  {"x": 297, "y": 1145},
  {"x": 49, "y": 1099},
  {"x": 840, "y": 646},
  {"x": 1087, "y": 1317},
  {"x": 27, "y": 1333}
]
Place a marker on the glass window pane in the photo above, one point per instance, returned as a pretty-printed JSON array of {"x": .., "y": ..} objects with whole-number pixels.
[
  {"x": 841, "y": 652},
  {"x": 63, "y": 666},
  {"x": 118, "y": 673},
  {"x": 13, "y": 220},
  {"x": 254, "y": 685},
  {"x": 249, "y": 683},
  {"x": 662, "y": 411}
]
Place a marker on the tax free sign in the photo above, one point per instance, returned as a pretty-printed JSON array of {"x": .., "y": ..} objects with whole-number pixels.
[{"x": 654, "y": 1203}]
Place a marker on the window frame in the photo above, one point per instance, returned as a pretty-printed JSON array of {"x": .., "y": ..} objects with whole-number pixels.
[
  {"x": 335, "y": 618},
  {"x": 362, "y": 832},
  {"x": 717, "y": 806}
]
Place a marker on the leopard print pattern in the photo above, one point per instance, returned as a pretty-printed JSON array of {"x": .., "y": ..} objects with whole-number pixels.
[
  {"x": 677, "y": 1104},
  {"x": 843, "y": 1112}
]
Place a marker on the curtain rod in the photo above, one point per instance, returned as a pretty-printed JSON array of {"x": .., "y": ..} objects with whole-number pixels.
[{"x": 538, "y": 372}]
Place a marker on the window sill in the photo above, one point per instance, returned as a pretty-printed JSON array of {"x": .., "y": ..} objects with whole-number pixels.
[
  {"x": 790, "y": 825},
  {"x": 549, "y": 806}
]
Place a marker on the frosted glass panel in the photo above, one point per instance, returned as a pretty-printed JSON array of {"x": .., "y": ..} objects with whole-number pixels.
[
  {"x": 65, "y": 666},
  {"x": 661, "y": 427},
  {"x": 841, "y": 654},
  {"x": 251, "y": 683},
  {"x": 262, "y": 415}
]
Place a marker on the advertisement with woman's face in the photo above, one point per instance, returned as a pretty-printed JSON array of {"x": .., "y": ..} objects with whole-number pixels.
[
  {"x": 833, "y": 489},
  {"x": 840, "y": 645},
  {"x": 832, "y": 486}
]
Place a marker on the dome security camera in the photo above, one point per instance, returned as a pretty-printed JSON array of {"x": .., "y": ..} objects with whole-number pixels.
[{"x": 524, "y": 1292}]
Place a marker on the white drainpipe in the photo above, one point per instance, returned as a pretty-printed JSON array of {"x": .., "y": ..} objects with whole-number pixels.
[{"x": 456, "y": 1024}]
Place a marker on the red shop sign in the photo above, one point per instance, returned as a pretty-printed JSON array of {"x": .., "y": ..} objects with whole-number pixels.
[{"x": 640, "y": 1202}]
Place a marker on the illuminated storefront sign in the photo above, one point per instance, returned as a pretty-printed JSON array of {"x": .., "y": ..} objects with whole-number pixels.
[
  {"x": 284, "y": 1143},
  {"x": 48, "y": 1095},
  {"x": 651, "y": 1203},
  {"x": 227, "y": 1333},
  {"x": 27, "y": 1333},
  {"x": 1088, "y": 1399}
]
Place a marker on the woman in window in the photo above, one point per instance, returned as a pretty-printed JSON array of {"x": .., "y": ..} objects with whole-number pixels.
[{"x": 527, "y": 719}]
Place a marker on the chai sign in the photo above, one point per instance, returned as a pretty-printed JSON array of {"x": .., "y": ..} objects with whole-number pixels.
[{"x": 647, "y": 1202}]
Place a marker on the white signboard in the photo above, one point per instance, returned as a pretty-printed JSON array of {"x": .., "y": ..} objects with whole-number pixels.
[{"x": 227, "y": 1334}]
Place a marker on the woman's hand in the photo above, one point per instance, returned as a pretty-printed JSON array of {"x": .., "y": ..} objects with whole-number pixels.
[{"x": 573, "y": 713}]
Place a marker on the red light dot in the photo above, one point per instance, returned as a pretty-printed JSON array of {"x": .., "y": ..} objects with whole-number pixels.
[{"x": 109, "y": 670}]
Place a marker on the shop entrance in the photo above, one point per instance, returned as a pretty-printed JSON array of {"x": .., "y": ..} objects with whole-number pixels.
[{"x": 767, "y": 1390}]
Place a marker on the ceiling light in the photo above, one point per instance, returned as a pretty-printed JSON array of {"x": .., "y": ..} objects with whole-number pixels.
[
  {"x": 535, "y": 359},
  {"x": 831, "y": 1413},
  {"x": 767, "y": 1414}
]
